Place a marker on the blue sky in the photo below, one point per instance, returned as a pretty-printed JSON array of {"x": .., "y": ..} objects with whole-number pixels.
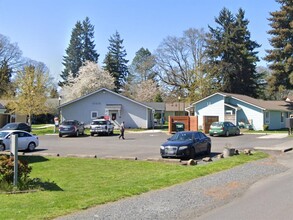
[{"x": 42, "y": 28}]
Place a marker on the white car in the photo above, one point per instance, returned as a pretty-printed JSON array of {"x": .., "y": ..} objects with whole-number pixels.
[
  {"x": 101, "y": 126},
  {"x": 26, "y": 141}
]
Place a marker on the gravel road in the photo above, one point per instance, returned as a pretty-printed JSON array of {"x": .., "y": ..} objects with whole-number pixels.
[{"x": 188, "y": 200}]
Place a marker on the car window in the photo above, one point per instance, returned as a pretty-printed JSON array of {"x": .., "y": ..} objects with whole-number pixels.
[
  {"x": 99, "y": 123},
  {"x": 68, "y": 123},
  {"x": 10, "y": 126}
]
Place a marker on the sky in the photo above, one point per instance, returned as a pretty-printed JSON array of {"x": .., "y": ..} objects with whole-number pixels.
[{"x": 42, "y": 28}]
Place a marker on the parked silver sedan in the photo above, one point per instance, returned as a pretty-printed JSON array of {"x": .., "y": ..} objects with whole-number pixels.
[{"x": 26, "y": 141}]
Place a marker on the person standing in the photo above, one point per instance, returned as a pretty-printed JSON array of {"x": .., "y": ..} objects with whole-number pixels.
[{"x": 122, "y": 128}]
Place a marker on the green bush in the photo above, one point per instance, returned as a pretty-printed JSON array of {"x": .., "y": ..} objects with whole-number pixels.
[{"x": 7, "y": 170}]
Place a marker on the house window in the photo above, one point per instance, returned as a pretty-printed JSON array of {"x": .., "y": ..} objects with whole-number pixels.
[
  {"x": 282, "y": 116},
  {"x": 94, "y": 115},
  {"x": 267, "y": 118}
]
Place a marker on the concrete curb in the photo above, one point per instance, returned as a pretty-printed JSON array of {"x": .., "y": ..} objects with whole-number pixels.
[
  {"x": 120, "y": 158},
  {"x": 274, "y": 149},
  {"x": 81, "y": 155}
]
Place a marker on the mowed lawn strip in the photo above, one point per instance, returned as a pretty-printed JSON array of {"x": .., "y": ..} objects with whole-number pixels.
[{"x": 80, "y": 183}]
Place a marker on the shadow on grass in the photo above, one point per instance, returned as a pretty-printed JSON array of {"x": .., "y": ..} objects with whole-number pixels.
[
  {"x": 47, "y": 185},
  {"x": 33, "y": 159}
]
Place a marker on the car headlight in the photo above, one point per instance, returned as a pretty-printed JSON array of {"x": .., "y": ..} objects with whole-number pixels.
[
  {"x": 183, "y": 147},
  {"x": 162, "y": 147}
]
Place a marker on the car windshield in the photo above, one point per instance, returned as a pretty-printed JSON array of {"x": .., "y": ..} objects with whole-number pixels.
[
  {"x": 10, "y": 126},
  {"x": 3, "y": 134},
  {"x": 181, "y": 137},
  {"x": 99, "y": 123},
  {"x": 217, "y": 124},
  {"x": 68, "y": 123}
]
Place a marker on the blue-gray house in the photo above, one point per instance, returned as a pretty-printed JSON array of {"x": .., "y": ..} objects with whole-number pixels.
[
  {"x": 104, "y": 102},
  {"x": 243, "y": 110}
]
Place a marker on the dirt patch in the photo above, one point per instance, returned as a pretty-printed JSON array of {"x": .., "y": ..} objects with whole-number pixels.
[{"x": 223, "y": 192}]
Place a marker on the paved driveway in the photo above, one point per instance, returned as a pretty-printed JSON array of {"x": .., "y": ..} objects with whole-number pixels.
[{"x": 143, "y": 145}]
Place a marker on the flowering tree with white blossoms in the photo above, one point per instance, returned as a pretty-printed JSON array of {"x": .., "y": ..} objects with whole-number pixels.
[{"x": 91, "y": 77}]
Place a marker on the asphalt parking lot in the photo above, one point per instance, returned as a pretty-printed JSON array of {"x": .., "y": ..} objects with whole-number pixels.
[{"x": 144, "y": 145}]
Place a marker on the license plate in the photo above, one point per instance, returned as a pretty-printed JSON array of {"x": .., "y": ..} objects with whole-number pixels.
[{"x": 170, "y": 151}]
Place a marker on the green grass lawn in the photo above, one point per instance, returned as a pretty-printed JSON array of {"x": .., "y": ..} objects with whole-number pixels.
[{"x": 78, "y": 183}]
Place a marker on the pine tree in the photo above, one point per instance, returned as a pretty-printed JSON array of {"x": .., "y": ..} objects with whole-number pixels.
[
  {"x": 232, "y": 60},
  {"x": 115, "y": 62},
  {"x": 5, "y": 75},
  {"x": 281, "y": 56},
  {"x": 142, "y": 65},
  {"x": 81, "y": 48},
  {"x": 89, "y": 53}
]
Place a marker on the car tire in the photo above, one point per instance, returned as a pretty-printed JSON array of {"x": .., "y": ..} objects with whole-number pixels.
[
  {"x": 211, "y": 135},
  {"x": 227, "y": 133},
  {"x": 60, "y": 135},
  {"x": 2, "y": 147},
  {"x": 31, "y": 147},
  {"x": 92, "y": 134}
]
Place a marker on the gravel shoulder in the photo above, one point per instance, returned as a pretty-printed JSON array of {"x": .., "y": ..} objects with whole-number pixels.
[{"x": 188, "y": 200}]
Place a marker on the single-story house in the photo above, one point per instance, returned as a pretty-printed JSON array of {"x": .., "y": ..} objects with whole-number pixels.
[
  {"x": 104, "y": 102},
  {"x": 242, "y": 110}
]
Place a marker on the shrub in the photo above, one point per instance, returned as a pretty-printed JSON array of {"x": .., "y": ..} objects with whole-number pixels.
[
  {"x": 265, "y": 127},
  {"x": 7, "y": 169}
]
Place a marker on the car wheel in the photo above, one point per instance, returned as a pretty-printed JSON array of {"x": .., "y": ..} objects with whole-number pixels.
[
  {"x": 192, "y": 153},
  {"x": 2, "y": 147},
  {"x": 211, "y": 135},
  {"x": 92, "y": 134},
  {"x": 31, "y": 146},
  {"x": 227, "y": 133},
  {"x": 60, "y": 135}
]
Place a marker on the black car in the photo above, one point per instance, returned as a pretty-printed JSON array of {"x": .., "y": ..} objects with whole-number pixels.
[
  {"x": 186, "y": 144},
  {"x": 17, "y": 126},
  {"x": 71, "y": 128}
]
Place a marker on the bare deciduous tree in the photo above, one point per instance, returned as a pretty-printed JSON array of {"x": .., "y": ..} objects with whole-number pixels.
[{"x": 180, "y": 63}]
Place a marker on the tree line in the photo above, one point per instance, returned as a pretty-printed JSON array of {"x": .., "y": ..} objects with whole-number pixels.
[{"x": 191, "y": 66}]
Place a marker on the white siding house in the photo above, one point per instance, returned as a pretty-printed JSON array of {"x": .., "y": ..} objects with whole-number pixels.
[
  {"x": 243, "y": 110},
  {"x": 104, "y": 102}
]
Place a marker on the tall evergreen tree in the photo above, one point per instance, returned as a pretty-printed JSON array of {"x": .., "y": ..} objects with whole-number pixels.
[
  {"x": 142, "y": 65},
  {"x": 5, "y": 75},
  {"x": 81, "y": 48},
  {"x": 231, "y": 56},
  {"x": 115, "y": 62},
  {"x": 89, "y": 52},
  {"x": 281, "y": 56}
]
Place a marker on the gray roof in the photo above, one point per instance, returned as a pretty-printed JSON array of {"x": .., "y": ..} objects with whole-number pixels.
[
  {"x": 263, "y": 104},
  {"x": 104, "y": 89},
  {"x": 159, "y": 106},
  {"x": 259, "y": 103}
]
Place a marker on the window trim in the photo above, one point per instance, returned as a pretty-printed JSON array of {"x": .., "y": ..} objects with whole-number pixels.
[{"x": 94, "y": 112}]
